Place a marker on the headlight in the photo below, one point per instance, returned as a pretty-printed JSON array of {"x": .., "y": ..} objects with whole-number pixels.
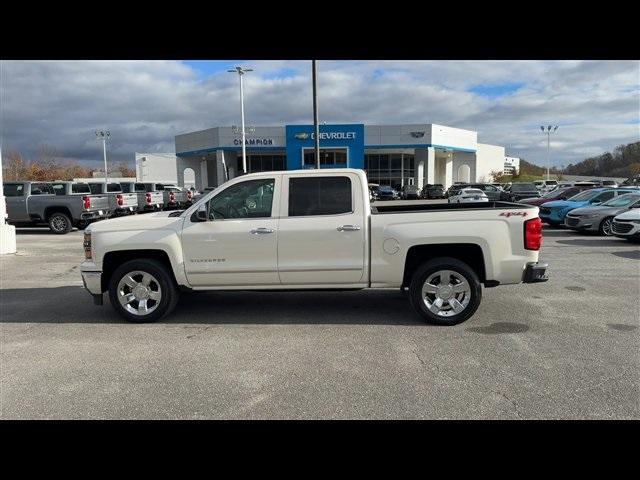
[{"x": 87, "y": 246}]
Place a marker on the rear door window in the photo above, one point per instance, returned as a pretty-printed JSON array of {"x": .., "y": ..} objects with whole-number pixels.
[
  {"x": 13, "y": 189},
  {"x": 604, "y": 196},
  {"x": 320, "y": 196}
]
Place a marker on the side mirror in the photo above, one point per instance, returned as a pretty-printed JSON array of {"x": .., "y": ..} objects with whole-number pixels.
[{"x": 201, "y": 214}]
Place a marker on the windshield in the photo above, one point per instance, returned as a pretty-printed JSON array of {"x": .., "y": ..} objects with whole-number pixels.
[
  {"x": 385, "y": 188},
  {"x": 523, "y": 187},
  {"x": 584, "y": 196},
  {"x": 622, "y": 200},
  {"x": 555, "y": 193}
]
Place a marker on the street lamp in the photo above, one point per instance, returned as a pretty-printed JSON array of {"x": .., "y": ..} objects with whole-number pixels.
[
  {"x": 548, "y": 132},
  {"x": 241, "y": 71},
  {"x": 104, "y": 135}
]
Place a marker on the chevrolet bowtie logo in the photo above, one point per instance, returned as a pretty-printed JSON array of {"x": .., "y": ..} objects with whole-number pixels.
[
  {"x": 417, "y": 134},
  {"x": 301, "y": 136}
]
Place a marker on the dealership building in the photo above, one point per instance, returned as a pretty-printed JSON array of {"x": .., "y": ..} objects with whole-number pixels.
[{"x": 397, "y": 155}]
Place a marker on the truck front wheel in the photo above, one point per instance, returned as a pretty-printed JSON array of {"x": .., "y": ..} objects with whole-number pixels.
[
  {"x": 445, "y": 291},
  {"x": 60, "y": 223},
  {"x": 142, "y": 291}
]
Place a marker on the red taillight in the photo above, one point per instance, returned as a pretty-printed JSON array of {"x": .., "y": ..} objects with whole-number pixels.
[
  {"x": 86, "y": 202},
  {"x": 172, "y": 197},
  {"x": 533, "y": 234},
  {"x": 148, "y": 198},
  {"x": 120, "y": 200}
]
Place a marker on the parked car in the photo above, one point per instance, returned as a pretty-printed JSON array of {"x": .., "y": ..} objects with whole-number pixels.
[
  {"x": 410, "y": 192},
  {"x": 560, "y": 193},
  {"x": 554, "y": 212},
  {"x": 599, "y": 218},
  {"x": 120, "y": 203},
  {"x": 627, "y": 225},
  {"x": 385, "y": 192},
  {"x": 631, "y": 181},
  {"x": 38, "y": 203},
  {"x": 435, "y": 190},
  {"x": 318, "y": 229},
  {"x": 519, "y": 190},
  {"x": 148, "y": 200},
  {"x": 466, "y": 195},
  {"x": 545, "y": 185}
]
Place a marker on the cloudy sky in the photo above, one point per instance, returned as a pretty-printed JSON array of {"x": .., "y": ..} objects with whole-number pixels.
[{"x": 146, "y": 103}]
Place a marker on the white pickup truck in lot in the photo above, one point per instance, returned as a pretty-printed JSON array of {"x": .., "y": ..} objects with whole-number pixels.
[{"x": 312, "y": 229}]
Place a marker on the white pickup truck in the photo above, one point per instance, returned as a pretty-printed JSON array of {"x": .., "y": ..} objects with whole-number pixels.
[{"x": 312, "y": 229}]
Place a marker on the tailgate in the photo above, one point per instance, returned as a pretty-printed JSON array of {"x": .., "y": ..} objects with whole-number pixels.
[
  {"x": 129, "y": 199},
  {"x": 157, "y": 197},
  {"x": 99, "y": 202}
]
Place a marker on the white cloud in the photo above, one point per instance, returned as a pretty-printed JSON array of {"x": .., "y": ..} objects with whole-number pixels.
[{"x": 146, "y": 103}]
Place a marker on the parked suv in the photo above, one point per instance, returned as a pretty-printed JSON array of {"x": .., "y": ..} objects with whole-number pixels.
[
  {"x": 435, "y": 190},
  {"x": 410, "y": 192},
  {"x": 519, "y": 190},
  {"x": 61, "y": 205}
]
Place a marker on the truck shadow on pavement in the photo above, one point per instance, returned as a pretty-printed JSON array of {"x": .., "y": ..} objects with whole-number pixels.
[{"x": 72, "y": 304}]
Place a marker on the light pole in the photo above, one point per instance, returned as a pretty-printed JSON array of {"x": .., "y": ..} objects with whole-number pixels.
[
  {"x": 241, "y": 71},
  {"x": 103, "y": 135},
  {"x": 316, "y": 128},
  {"x": 548, "y": 132}
]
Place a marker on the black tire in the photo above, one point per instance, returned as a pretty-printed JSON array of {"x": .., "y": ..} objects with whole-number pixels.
[
  {"x": 168, "y": 287},
  {"x": 59, "y": 223},
  {"x": 444, "y": 263},
  {"x": 605, "y": 227}
]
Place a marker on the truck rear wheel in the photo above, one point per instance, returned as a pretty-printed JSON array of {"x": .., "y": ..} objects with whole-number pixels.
[
  {"x": 59, "y": 223},
  {"x": 142, "y": 291},
  {"x": 445, "y": 291}
]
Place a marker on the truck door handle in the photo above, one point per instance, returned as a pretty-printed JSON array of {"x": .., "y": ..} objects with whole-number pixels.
[
  {"x": 261, "y": 230},
  {"x": 348, "y": 228}
]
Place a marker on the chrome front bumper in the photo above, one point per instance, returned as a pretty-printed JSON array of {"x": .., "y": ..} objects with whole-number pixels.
[{"x": 93, "y": 283}]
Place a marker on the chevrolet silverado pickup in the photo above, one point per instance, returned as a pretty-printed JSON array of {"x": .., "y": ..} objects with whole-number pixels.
[
  {"x": 148, "y": 200},
  {"x": 313, "y": 229},
  {"x": 173, "y": 197},
  {"x": 61, "y": 205},
  {"x": 120, "y": 203}
]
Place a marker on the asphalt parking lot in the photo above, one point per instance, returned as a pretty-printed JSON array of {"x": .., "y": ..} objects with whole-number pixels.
[{"x": 565, "y": 349}]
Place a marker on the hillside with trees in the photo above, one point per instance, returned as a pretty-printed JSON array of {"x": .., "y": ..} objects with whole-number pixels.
[
  {"x": 623, "y": 162},
  {"x": 48, "y": 166}
]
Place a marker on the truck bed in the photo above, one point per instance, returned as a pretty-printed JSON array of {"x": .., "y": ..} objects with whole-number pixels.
[{"x": 426, "y": 207}]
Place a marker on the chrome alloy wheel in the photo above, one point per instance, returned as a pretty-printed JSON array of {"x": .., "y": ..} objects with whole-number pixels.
[
  {"x": 139, "y": 293},
  {"x": 446, "y": 293},
  {"x": 606, "y": 227},
  {"x": 59, "y": 223}
]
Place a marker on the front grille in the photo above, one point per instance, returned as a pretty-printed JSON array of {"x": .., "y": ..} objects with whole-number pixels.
[
  {"x": 622, "y": 227},
  {"x": 546, "y": 211},
  {"x": 572, "y": 221}
]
